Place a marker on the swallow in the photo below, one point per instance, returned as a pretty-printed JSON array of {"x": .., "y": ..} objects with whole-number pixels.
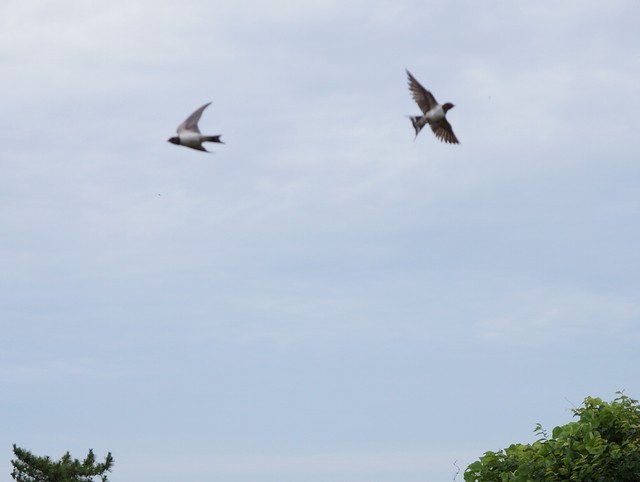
[
  {"x": 433, "y": 113},
  {"x": 189, "y": 135}
]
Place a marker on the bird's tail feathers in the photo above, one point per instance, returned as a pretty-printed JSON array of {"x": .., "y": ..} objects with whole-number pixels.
[
  {"x": 212, "y": 139},
  {"x": 416, "y": 124}
]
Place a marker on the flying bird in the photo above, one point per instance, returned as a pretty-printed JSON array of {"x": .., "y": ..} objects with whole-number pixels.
[
  {"x": 434, "y": 114},
  {"x": 189, "y": 135}
]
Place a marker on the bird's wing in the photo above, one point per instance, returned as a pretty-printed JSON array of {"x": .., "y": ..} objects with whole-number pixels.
[
  {"x": 197, "y": 147},
  {"x": 422, "y": 96},
  {"x": 443, "y": 131},
  {"x": 191, "y": 124}
]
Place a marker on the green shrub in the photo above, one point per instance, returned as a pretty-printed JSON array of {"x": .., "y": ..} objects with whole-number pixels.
[{"x": 603, "y": 445}]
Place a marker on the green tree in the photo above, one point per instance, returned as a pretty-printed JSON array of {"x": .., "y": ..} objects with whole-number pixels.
[
  {"x": 31, "y": 468},
  {"x": 602, "y": 445}
]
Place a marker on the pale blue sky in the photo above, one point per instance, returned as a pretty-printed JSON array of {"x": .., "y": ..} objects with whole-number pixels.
[{"x": 323, "y": 299}]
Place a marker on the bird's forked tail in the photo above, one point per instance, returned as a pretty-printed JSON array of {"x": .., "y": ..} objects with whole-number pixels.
[
  {"x": 213, "y": 139},
  {"x": 415, "y": 120}
]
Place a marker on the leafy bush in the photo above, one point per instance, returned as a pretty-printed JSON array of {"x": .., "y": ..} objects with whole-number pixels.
[{"x": 603, "y": 445}]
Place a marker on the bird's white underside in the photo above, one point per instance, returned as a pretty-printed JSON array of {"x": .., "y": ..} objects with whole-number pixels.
[{"x": 435, "y": 114}]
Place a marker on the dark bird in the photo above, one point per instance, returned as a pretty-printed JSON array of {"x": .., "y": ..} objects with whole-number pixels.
[
  {"x": 189, "y": 135},
  {"x": 433, "y": 113}
]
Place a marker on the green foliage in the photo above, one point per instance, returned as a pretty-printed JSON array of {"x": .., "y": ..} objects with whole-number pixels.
[
  {"x": 603, "y": 445},
  {"x": 31, "y": 468}
]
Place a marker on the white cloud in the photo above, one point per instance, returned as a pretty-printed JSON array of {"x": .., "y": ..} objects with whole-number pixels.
[
  {"x": 410, "y": 465},
  {"x": 559, "y": 315}
]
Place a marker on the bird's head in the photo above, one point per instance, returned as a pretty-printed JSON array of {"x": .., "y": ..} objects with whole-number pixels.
[
  {"x": 447, "y": 106},
  {"x": 174, "y": 140}
]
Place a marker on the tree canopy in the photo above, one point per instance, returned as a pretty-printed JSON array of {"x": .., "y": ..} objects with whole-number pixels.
[
  {"x": 602, "y": 445},
  {"x": 32, "y": 468}
]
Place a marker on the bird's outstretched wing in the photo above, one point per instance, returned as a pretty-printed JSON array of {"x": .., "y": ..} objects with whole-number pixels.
[
  {"x": 191, "y": 124},
  {"x": 422, "y": 96},
  {"x": 443, "y": 131}
]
